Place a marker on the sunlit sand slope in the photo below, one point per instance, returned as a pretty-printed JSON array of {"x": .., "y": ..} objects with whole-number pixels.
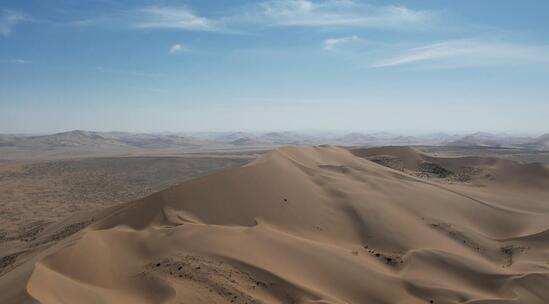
[{"x": 314, "y": 225}]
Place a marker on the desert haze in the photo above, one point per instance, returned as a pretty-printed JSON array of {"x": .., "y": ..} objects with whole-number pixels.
[
  {"x": 319, "y": 224},
  {"x": 80, "y": 143}
]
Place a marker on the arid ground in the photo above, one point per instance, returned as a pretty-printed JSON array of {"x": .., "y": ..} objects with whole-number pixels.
[
  {"x": 36, "y": 193},
  {"x": 297, "y": 225}
]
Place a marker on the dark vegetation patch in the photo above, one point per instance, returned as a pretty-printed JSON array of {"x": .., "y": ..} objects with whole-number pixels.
[
  {"x": 220, "y": 279},
  {"x": 390, "y": 259},
  {"x": 510, "y": 251},
  {"x": 69, "y": 230},
  {"x": 456, "y": 234},
  {"x": 392, "y": 162},
  {"x": 8, "y": 260},
  {"x": 32, "y": 231},
  {"x": 435, "y": 169}
]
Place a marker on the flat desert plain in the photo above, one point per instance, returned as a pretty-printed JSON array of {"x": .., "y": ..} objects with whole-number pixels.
[{"x": 318, "y": 224}]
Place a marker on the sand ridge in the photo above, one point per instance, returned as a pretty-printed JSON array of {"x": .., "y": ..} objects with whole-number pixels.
[{"x": 311, "y": 225}]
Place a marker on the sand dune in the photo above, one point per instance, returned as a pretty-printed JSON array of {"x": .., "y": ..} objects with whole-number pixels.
[
  {"x": 312, "y": 225},
  {"x": 474, "y": 169}
]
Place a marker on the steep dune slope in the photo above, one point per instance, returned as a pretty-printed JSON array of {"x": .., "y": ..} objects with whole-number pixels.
[{"x": 311, "y": 225}]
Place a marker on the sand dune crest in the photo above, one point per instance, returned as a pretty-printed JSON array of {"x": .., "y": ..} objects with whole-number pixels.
[{"x": 315, "y": 225}]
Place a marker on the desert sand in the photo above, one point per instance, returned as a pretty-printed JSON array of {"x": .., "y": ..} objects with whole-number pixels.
[{"x": 308, "y": 225}]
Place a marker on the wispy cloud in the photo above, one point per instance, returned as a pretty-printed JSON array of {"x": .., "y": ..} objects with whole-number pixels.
[
  {"x": 91, "y": 22},
  {"x": 9, "y": 19},
  {"x": 16, "y": 61},
  {"x": 341, "y": 13},
  {"x": 271, "y": 14},
  {"x": 467, "y": 53},
  {"x": 178, "y": 48},
  {"x": 124, "y": 72},
  {"x": 330, "y": 44},
  {"x": 182, "y": 18}
]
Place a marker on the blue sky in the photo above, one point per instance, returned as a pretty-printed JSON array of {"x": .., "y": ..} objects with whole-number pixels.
[{"x": 403, "y": 66}]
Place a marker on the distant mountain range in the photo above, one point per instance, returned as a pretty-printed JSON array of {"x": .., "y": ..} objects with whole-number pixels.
[
  {"x": 483, "y": 139},
  {"x": 79, "y": 138},
  {"x": 120, "y": 140}
]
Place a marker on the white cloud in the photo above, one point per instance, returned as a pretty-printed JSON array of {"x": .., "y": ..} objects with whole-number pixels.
[
  {"x": 273, "y": 13},
  {"x": 16, "y": 61},
  {"x": 341, "y": 13},
  {"x": 330, "y": 44},
  {"x": 87, "y": 22},
  {"x": 171, "y": 18},
  {"x": 178, "y": 48},
  {"x": 466, "y": 53},
  {"x": 9, "y": 19}
]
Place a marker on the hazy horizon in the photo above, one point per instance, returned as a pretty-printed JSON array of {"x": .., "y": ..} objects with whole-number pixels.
[
  {"x": 321, "y": 133},
  {"x": 327, "y": 65}
]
